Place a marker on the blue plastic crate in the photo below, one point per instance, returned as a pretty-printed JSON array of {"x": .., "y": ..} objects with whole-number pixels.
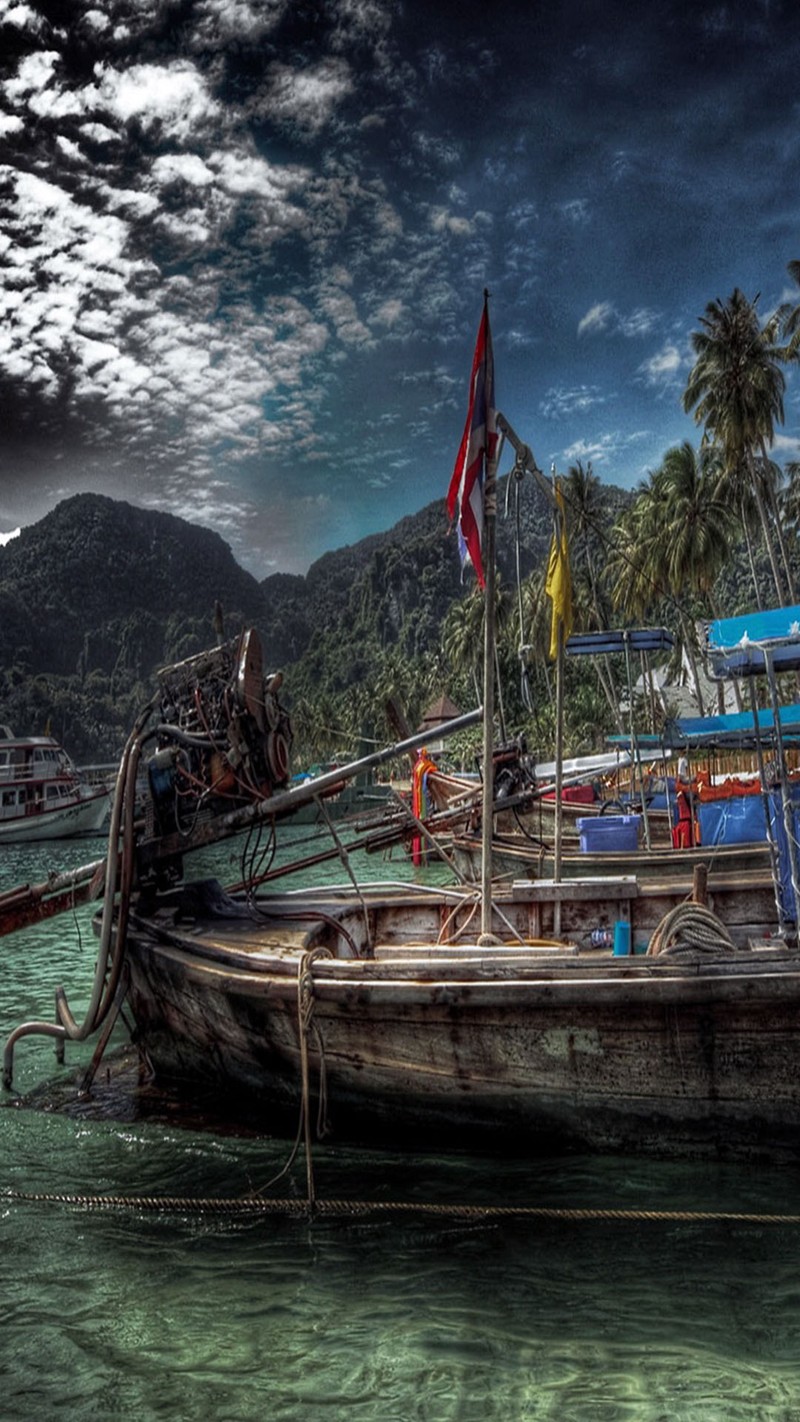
[{"x": 608, "y": 834}]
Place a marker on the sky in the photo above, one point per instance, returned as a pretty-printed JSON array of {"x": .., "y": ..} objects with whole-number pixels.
[{"x": 244, "y": 243}]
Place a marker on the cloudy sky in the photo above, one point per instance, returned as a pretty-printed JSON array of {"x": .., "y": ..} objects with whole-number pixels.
[{"x": 244, "y": 242}]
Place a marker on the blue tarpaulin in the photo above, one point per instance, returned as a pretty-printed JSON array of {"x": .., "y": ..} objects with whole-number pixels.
[
  {"x": 738, "y": 820},
  {"x": 737, "y": 727},
  {"x": 736, "y": 645},
  {"x": 734, "y": 729},
  {"x": 776, "y": 625}
]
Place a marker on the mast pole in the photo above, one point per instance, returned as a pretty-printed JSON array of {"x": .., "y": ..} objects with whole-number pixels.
[
  {"x": 559, "y": 750},
  {"x": 489, "y": 631}
]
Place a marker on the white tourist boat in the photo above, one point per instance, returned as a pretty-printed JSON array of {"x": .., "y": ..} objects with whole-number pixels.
[{"x": 42, "y": 795}]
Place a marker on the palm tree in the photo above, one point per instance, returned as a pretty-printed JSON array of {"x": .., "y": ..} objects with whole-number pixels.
[
  {"x": 585, "y": 516},
  {"x": 700, "y": 523},
  {"x": 699, "y": 528},
  {"x": 788, "y": 317},
  {"x": 634, "y": 559},
  {"x": 462, "y": 637},
  {"x": 673, "y": 541},
  {"x": 584, "y": 503},
  {"x": 735, "y": 389}
]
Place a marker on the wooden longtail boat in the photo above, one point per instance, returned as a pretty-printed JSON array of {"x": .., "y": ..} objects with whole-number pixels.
[
  {"x": 516, "y": 858},
  {"x": 386, "y": 1009}
]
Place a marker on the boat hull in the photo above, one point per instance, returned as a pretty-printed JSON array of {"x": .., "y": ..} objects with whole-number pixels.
[
  {"x": 84, "y": 816},
  {"x": 517, "y": 858},
  {"x": 452, "y": 1043}
]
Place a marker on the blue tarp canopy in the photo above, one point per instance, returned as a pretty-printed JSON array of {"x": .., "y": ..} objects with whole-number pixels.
[
  {"x": 635, "y": 639},
  {"x": 735, "y": 728},
  {"x": 732, "y": 730},
  {"x": 736, "y": 645}
]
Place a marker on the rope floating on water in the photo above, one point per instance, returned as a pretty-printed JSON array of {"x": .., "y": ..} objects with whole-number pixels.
[{"x": 254, "y": 1205}]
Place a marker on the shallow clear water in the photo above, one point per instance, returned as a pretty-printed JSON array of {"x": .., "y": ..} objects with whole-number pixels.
[{"x": 187, "y": 1315}]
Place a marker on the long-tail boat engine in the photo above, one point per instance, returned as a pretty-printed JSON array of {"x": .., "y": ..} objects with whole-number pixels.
[{"x": 223, "y": 739}]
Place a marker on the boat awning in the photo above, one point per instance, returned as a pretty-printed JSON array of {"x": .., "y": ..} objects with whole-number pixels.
[
  {"x": 736, "y": 729},
  {"x": 584, "y": 765},
  {"x": 738, "y": 646},
  {"x": 633, "y": 639}
]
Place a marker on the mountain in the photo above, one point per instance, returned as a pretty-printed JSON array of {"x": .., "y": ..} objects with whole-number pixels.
[
  {"x": 97, "y": 575},
  {"x": 99, "y": 594}
]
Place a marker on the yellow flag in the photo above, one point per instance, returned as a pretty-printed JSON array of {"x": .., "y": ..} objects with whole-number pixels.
[{"x": 558, "y": 585}]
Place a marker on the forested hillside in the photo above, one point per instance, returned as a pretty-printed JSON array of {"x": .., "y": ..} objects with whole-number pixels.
[{"x": 99, "y": 594}]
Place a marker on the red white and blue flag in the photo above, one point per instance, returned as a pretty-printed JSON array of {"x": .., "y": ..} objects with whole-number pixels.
[{"x": 478, "y": 447}]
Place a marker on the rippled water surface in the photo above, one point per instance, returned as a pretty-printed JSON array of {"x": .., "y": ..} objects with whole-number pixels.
[{"x": 192, "y": 1315}]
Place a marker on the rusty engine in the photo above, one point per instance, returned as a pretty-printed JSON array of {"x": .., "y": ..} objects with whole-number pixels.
[{"x": 222, "y": 738}]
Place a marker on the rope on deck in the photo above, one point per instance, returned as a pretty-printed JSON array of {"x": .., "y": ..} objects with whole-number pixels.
[
  {"x": 254, "y": 1206},
  {"x": 690, "y": 927}
]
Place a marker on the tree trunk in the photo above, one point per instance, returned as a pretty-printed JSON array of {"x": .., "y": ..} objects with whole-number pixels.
[
  {"x": 780, "y": 533},
  {"x": 765, "y": 526},
  {"x": 751, "y": 556}
]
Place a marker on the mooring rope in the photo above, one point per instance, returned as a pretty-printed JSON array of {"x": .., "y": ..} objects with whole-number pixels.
[
  {"x": 251, "y": 1205},
  {"x": 690, "y": 927}
]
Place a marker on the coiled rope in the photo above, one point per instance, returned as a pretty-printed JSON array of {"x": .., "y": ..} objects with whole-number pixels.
[
  {"x": 251, "y": 1205},
  {"x": 690, "y": 928}
]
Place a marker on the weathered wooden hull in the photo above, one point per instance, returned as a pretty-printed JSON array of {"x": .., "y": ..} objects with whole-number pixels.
[
  {"x": 451, "y": 1043},
  {"x": 518, "y": 858}
]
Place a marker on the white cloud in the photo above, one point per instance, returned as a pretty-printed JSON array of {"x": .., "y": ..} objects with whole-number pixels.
[
  {"x": 576, "y": 212},
  {"x": 341, "y": 310},
  {"x": 222, "y": 20},
  {"x": 24, "y": 17},
  {"x": 307, "y": 98},
  {"x": 604, "y": 447},
  {"x": 786, "y": 448},
  {"x": 664, "y": 367},
  {"x": 173, "y": 96},
  {"x": 638, "y": 323},
  {"x": 96, "y": 20},
  {"x": 596, "y": 320},
  {"x": 33, "y": 73},
  {"x": 444, "y": 221},
  {"x": 604, "y": 316},
  {"x": 182, "y": 167},
  {"x": 561, "y": 401},
  {"x": 388, "y": 313},
  {"x": 241, "y": 173}
]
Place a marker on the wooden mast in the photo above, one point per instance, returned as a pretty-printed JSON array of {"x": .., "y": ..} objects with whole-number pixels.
[{"x": 489, "y": 634}]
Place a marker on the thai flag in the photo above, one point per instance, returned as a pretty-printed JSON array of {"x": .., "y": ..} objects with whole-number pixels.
[{"x": 478, "y": 447}]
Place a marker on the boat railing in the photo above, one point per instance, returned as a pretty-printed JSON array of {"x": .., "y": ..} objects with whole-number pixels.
[{"x": 41, "y": 770}]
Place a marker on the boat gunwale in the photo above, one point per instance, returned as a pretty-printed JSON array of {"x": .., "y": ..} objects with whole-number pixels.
[{"x": 603, "y": 975}]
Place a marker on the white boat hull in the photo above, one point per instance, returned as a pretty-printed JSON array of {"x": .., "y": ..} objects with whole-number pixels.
[{"x": 84, "y": 816}]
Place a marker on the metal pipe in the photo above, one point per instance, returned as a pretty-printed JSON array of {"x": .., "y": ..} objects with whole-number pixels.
[{"x": 287, "y": 800}]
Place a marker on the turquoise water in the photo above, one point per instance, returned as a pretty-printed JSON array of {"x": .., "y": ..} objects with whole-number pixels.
[{"x": 186, "y": 1315}]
